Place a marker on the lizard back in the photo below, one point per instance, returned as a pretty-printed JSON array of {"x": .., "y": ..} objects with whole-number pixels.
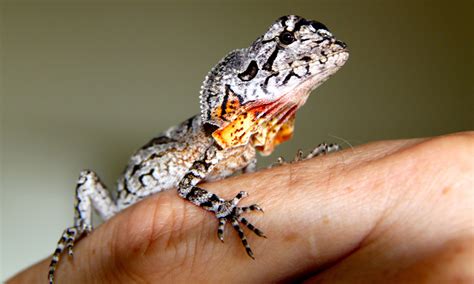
[{"x": 161, "y": 163}]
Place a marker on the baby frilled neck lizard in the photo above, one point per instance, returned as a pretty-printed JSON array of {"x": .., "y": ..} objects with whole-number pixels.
[{"x": 248, "y": 104}]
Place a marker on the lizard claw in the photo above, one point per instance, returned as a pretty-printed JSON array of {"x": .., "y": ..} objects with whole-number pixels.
[
  {"x": 279, "y": 162},
  {"x": 299, "y": 156},
  {"x": 220, "y": 229},
  {"x": 232, "y": 213}
]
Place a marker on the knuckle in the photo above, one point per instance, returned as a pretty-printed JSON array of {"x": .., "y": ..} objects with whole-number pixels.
[
  {"x": 451, "y": 150},
  {"x": 445, "y": 161}
]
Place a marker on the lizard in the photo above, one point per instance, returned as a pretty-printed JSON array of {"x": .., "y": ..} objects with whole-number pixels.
[{"x": 248, "y": 104}]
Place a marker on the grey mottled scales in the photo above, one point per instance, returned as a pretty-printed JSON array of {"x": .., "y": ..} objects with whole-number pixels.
[
  {"x": 248, "y": 104},
  {"x": 162, "y": 163}
]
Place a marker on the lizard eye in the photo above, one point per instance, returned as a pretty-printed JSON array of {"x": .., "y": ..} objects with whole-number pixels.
[{"x": 287, "y": 38}]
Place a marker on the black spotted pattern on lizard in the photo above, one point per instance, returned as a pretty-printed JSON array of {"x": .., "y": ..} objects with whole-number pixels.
[{"x": 248, "y": 104}]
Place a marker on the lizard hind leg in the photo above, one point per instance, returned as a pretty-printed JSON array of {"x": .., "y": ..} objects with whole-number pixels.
[{"x": 90, "y": 193}]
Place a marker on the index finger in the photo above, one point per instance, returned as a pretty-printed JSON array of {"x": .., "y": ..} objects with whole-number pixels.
[{"x": 316, "y": 213}]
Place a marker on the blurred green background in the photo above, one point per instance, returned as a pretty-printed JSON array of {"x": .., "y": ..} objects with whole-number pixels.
[{"x": 84, "y": 84}]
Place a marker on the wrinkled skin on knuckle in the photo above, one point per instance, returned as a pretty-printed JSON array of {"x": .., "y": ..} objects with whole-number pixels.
[
  {"x": 446, "y": 157},
  {"x": 460, "y": 150},
  {"x": 433, "y": 175},
  {"x": 450, "y": 158}
]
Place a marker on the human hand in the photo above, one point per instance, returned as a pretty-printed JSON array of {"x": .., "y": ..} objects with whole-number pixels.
[{"x": 396, "y": 211}]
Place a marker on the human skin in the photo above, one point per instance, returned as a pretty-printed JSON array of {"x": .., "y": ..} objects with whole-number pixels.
[{"x": 392, "y": 211}]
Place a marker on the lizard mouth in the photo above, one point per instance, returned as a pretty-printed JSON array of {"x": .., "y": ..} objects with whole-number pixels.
[{"x": 341, "y": 54}]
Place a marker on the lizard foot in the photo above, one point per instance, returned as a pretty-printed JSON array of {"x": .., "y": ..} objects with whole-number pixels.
[
  {"x": 69, "y": 237},
  {"x": 229, "y": 211},
  {"x": 321, "y": 149}
]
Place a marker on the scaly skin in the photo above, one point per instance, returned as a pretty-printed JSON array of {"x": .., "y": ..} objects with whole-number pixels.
[{"x": 248, "y": 104}]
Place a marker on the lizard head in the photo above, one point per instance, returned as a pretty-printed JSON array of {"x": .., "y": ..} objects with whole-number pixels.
[{"x": 252, "y": 94}]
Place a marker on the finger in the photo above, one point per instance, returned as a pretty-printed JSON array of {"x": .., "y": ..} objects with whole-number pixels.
[
  {"x": 317, "y": 212},
  {"x": 301, "y": 222}
]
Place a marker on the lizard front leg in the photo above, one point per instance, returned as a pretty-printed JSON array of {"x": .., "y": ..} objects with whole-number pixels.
[
  {"x": 225, "y": 210},
  {"x": 90, "y": 193},
  {"x": 321, "y": 149}
]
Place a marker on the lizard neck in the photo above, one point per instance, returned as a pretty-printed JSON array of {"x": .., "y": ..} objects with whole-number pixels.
[
  {"x": 236, "y": 119},
  {"x": 214, "y": 91}
]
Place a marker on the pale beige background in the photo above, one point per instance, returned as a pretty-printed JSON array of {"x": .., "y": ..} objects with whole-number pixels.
[{"x": 85, "y": 84}]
